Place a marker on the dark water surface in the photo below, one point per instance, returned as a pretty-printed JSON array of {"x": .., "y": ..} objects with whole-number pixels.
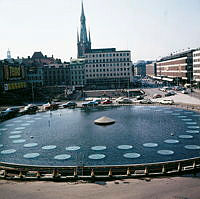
[{"x": 147, "y": 134}]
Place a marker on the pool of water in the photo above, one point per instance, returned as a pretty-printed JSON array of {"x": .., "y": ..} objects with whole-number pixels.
[{"x": 69, "y": 137}]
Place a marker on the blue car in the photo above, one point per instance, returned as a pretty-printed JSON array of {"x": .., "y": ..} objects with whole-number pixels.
[{"x": 90, "y": 103}]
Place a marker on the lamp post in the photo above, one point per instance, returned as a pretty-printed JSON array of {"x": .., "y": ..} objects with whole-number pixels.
[{"x": 32, "y": 92}]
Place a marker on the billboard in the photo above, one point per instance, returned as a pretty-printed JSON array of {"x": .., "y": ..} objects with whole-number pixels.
[
  {"x": 14, "y": 86},
  {"x": 13, "y": 72}
]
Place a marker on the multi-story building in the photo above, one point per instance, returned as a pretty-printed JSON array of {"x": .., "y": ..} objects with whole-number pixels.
[
  {"x": 151, "y": 69},
  {"x": 104, "y": 68},
  {"x": 35, "y": 75},
  {"x": 196, "y": 66},
  {"x": 140, "y": 68},
  {"x": 107, "y": 68},
  {"x": 12, "y": 75},
  {"x": 1, "y": 76},
  {"x": 77, "y": 73},
  {"x": 177, "y": 67},
  {"x": 56, "y": 74}
]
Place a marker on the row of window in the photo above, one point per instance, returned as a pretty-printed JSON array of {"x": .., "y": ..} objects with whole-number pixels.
[
  {"x": 77, "y": 83},
  {"x": 196, "y": 60},
  {"x": 196, "y": 55},
  {"x": 108, "y": 74},
  {"x": 107, "y": 60},
  {"x": 108, "y": 69},
  {"x": 197, "y": 66},
  {"x": 77, "y": 72},
  {"x": 109, "y": 65},
  {"x": 107, "y": 55},
  {"x": 77, "y": 77}
]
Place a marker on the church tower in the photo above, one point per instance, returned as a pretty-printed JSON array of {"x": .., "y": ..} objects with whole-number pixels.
[{"x": 84, "y": 40}]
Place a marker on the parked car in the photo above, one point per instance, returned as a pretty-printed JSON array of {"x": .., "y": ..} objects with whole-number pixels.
[
  {"x": 90, "y": 103},
  {"x": 30, "y": 108},
  {"x": 97, "y": 101},
  {"x": 119, "y": 98},
  {"x": 69, "y": 104},
  {"x": 170, "y": 93},
  {"x": 165, "y": 89},
  {"x": 50, "y": 106},
  {"x": 9, "y": 112},
  {"x": 107, "y": 102},
  {"x": 177, "y": 88},
  {"x": 167, "y": 101},
  {"x": 139, "y": 97},
  {"x": 146, "y": 101},
  {"x": 184, "y": 91},
  {"x": 156, "y": 95},
  {"x": 125, "y": 101}
]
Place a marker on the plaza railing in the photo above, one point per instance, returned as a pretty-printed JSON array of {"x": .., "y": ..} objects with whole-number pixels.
[{"x": 36, "y": 172}]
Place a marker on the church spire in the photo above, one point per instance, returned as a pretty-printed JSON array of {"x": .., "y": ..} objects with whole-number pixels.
[
  {"x": 77, "y": 36},
  {"x": 83, "y": 36},
  {"x": 89, "y": 36},
  {"x": 84, "y": 40}
]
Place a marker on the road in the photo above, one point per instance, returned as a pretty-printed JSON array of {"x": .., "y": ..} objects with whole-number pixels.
[{"x": 178, "y": 98}]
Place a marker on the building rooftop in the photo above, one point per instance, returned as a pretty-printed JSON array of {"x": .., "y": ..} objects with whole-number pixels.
[
  {"x": 177, "y": 55},
  {"x": 37, "y": 55}
]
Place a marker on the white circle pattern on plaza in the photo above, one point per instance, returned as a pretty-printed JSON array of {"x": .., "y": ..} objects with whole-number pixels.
[
  {"x": 96, "y": 156},
  {"x": 62, "y": 157},
  {"x": 31, "y": 155},
  {"x": 150, "y": 144},
  {"x": 14, "y": 136},
  {"x": 19, "y": 141},
  {"x": 165, "y": 152},
  {"x": 49, "y": 147},
  {"x": 131, "y": 155},
  {"x": 16, "y": 132},
  {"x": 124, "y": 147},
  {"x": 185, "y": 136},
  {"x": 98, "y": 148},
  {"x": 8, "y": 151},
  {"x": 30, "y": 145},
  {"x": 171, "y": 141},
  {"x": 72, "y": 148},
  {"x": 192, "y": 147},
  {"x": 192, "y": 131}
]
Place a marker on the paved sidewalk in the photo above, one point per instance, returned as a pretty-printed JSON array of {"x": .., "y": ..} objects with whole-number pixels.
[{"x": 157, "y": 188}]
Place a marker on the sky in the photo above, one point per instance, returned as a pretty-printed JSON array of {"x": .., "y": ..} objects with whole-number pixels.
[{"x": 151, "y": 29}]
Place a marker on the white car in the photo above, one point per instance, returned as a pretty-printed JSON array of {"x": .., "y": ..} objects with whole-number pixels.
[
  {"x": 184, "y": 92},
  {"x": 125, "y": 101},
  {"x": 167, "y": 101}
]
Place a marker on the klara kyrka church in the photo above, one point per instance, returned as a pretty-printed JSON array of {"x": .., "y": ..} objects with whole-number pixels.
[
  {"x": 84, "y": 40},
  {"x": 101, "y": 68}
]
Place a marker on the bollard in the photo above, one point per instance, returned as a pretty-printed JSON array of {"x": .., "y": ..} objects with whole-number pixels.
[
  {"x": 75, "y": 173},
  {"x": 110, "y": 173},
  {"x": 38, "y": 174},
  {"x": 194, "y": 165},
  {"x": 146, "y": 172},
  {"x": 20, "y": 174},
  {"x": 179, "y": 167},
  {"x": 55, "y": 173},
  {"x": 128, "y": 173},
  {"x": 5, "y": 173},
  {"x": 163, "y": 169},
  {"x": 92, "y": 173}
]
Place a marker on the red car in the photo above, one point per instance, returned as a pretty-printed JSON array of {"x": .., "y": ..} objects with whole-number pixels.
[{"x": 107, "y": 102}]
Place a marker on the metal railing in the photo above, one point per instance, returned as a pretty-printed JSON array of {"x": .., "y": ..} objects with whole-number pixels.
[{"x": 36, "y": 172}]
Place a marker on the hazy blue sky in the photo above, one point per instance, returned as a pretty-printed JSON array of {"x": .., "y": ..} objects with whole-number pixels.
[{"x": 149, "y": 28}]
